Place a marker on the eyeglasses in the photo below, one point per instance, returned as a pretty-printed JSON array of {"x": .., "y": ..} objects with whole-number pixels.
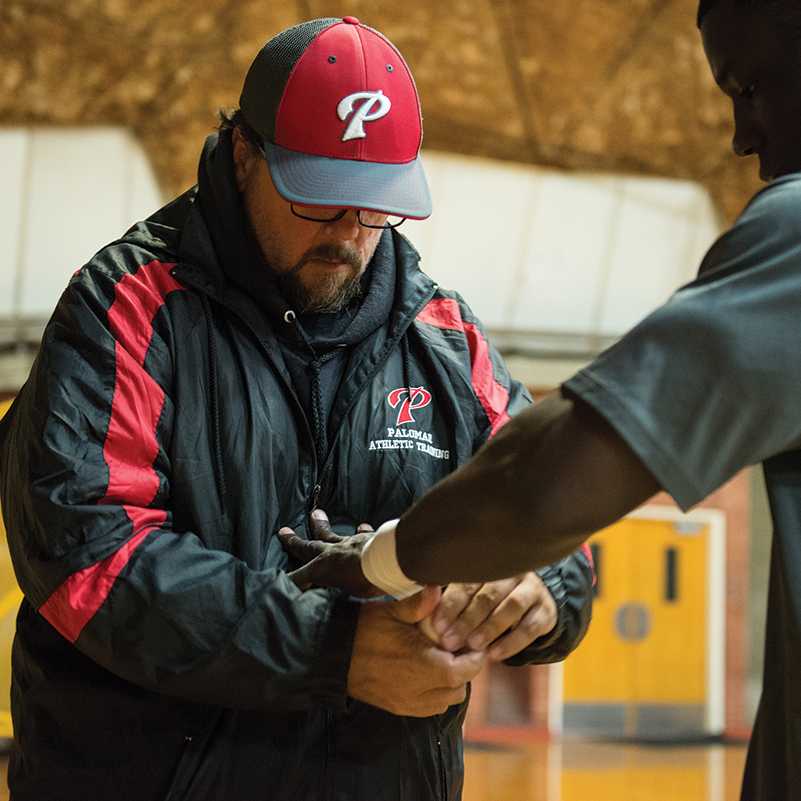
[{"x": 366, "y": 217}]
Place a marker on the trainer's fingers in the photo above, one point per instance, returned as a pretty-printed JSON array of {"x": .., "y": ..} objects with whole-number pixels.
[
  {"x": 481, "y": 607},
  {"x": 321, "y": 527},
  {"x": 535, "y": 623},
  {"x": 454, "y": 601},
  {"x": 425, "y": 626},
  {"x": 464, "y": 667},
  {"x": 506, "y": 616}
]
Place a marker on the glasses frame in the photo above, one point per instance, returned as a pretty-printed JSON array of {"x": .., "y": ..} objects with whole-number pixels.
[{"x": 341, "y": 213}]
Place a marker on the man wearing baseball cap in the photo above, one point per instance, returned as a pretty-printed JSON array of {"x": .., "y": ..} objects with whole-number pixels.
[{"x": 262, "y": 347}]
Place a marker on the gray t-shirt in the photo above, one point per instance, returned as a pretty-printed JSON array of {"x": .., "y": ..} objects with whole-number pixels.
[{"x": 708, "y": 384}]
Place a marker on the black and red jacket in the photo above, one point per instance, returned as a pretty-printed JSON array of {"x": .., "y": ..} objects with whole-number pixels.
[{"x": 162, "y": 654}]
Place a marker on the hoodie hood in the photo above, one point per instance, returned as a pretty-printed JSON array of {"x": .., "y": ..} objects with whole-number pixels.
[{"x": 241, "y": 259}]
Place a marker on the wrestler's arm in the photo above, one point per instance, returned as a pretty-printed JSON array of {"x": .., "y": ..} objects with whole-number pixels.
[{"x": 555, "y": 474}]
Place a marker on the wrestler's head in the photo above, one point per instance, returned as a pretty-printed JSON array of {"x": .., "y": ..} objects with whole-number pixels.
[{"x": 754, "y": 51}]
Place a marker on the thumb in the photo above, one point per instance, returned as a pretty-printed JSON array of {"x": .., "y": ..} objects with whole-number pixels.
[{"x": 417, "y": 607}]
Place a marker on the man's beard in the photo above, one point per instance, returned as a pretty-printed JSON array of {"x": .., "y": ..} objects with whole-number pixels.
[{"x": 332, "y": 293}]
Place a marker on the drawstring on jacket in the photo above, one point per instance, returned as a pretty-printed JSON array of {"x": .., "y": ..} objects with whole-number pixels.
[
  {"x": 315, "y": 367},
  {"x": 407, "y": 369}
]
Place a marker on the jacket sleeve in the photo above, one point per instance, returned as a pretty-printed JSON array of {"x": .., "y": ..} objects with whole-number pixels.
[
  {"x": 85, "y": 472},
  {"x": 569, "y": 581}
]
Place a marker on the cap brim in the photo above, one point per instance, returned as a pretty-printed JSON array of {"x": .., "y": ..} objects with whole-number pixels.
[{"x": 398, "y": 189}]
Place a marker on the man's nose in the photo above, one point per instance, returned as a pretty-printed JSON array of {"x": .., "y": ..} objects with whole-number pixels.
[{"x": 348, "y": 226}]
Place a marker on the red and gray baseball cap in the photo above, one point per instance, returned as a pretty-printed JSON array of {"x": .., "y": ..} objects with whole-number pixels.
[{"x": 338, "y": 112}]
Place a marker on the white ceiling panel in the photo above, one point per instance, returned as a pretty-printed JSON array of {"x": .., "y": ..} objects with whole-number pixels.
[
  {"x": 648, "y": 261},
  {"x": 13, "y": 162},
  {"x": 560, "y": 254},
  {"x": 144, "y": 197},
  {"x": 476, "y": 236},
  {"x": 666, "y": 194},
  {"x": 78, "y": 189},
  {"x": 557, "y": 288},
  {"x": 547, "y": 254}
]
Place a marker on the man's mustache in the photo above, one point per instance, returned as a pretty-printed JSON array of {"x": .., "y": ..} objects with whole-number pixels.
[{"x": 338, "y": 253}]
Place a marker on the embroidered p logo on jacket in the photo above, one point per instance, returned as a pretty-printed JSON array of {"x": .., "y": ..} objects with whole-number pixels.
[{"x": 419, "y": 399}]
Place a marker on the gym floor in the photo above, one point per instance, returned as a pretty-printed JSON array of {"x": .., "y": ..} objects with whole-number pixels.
[
  {"x": 579, "y": 771},
  {"x": 582, "y": 771}
]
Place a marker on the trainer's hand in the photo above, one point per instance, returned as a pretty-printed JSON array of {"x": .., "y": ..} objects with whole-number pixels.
[
  {"x": 395, "y": 667},
  {"x": 506, "y": 616},
  {"x": 329, "y": 560}
]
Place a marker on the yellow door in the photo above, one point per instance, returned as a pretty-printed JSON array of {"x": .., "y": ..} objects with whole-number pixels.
[
  {"x": 10, "y": 598},
  {"x": 641, "y": 670}
]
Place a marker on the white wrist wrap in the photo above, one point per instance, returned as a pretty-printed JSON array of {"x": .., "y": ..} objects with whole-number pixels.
[{"x": 380, "y": 564}]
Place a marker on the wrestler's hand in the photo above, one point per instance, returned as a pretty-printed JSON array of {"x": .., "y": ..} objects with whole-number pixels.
[
  {"x": 395, "y": 667},
  {"x": 329, "y": 560},
  {"x": 506, "y": 616}
]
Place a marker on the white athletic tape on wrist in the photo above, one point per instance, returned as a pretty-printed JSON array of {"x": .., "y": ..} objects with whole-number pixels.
[{"x": 380, "y": 564}]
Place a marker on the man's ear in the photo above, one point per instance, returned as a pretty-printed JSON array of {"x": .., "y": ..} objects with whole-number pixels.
[{"x": 243, "y": 159}]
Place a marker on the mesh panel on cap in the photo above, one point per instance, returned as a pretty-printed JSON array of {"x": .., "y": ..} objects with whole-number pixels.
[{"x": 266, "y": 79}]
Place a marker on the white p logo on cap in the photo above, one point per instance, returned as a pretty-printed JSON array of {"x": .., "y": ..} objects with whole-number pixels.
[{"x": 364, "y": 113}]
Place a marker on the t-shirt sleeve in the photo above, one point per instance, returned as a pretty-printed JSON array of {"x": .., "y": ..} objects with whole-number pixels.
[{"x": 711, "y": 381}]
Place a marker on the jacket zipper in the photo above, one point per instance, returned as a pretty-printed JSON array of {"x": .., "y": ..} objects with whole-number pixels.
[
  {"x": 443, "y": 781},
  {"x": 299, "y": 406}
]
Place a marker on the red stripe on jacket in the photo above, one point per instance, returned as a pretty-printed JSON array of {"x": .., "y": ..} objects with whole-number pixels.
[
  {"x": 492, "y": 395},
  {"x": 75, "y": 602},
  {"x": 130, "y": 447}
]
